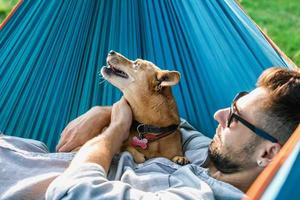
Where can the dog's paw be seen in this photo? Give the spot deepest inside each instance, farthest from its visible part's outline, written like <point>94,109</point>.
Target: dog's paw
<point>139,159</point>
<point>181,160</point>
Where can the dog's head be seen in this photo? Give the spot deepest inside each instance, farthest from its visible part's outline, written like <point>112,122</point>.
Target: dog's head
<point>137,78</point>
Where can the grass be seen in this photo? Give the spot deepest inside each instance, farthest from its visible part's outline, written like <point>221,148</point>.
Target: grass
<point>280,19</point>
<point>5,8</point>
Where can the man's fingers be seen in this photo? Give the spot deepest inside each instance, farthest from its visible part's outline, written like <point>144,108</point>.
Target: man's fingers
<point>66,148</point>
<point>69,146</point>
<point>60,144</point>
<point>61,141</point>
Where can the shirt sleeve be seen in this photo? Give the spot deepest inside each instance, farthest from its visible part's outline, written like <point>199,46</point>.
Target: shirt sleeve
<point>191,138</point>
<point>194,143</point>
<point>89,181</point>
<point>24,144</point>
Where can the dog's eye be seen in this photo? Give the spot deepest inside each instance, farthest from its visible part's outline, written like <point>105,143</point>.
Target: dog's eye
<point>136,65</point>
<point>164,78</point>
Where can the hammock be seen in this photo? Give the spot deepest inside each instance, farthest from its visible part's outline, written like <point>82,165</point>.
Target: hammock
<point>51,53</point>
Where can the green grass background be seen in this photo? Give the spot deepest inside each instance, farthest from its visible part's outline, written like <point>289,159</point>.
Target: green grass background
<point>280,19</point>
<point>5,7</point>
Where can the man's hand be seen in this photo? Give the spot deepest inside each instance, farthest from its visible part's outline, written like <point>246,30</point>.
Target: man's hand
<point>84,128</point>
<point>102,148</point>
<point>121,117</point>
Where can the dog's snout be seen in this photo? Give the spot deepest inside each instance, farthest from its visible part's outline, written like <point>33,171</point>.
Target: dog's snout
<point>111,52</point>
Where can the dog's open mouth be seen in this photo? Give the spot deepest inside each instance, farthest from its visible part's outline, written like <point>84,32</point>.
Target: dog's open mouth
<point>111,69</point>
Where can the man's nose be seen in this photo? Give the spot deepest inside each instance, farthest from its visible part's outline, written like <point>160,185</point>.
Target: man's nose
<point>111,52</point>
<point>221,116</point>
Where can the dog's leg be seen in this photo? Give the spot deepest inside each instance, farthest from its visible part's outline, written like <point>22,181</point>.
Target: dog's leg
<point>173,150</point>
<point>137,156</point>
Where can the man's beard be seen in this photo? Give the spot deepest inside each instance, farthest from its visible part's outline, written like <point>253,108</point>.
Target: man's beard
<point>226,161</point>
<point>222,162</point>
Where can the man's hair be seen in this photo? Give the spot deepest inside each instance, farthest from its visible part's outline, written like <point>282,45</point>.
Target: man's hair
<point>282,106</point>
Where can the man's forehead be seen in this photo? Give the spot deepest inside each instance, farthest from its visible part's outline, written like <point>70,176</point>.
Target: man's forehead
<point>250,100</point>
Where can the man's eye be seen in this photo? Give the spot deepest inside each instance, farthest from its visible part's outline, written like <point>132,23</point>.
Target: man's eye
<point>234,120</point>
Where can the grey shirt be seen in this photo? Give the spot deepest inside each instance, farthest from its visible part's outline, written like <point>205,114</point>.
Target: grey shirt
<point>27,169</point>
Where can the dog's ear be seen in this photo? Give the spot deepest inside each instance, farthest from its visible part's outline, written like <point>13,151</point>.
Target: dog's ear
<point>168,78</point>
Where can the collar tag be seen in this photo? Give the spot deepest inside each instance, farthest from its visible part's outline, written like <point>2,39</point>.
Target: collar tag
<point>139,142</point>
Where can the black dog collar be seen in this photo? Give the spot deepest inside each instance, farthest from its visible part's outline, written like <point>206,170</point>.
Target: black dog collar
<point>152,133</point>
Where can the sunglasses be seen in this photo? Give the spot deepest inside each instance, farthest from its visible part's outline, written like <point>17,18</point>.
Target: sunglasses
<point>232,116</point>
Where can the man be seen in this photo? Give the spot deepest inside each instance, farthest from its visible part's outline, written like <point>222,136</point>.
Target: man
<point>250,133</point>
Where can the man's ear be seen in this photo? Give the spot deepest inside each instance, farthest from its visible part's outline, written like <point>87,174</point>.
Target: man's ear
<point>267,154</point>
<point>168,78</point>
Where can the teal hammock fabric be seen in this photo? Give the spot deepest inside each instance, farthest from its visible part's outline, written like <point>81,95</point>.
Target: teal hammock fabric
<point>51,53</point>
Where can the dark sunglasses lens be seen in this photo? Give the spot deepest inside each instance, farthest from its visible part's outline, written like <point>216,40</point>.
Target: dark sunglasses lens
<point>229,119</point>
<point>230,116</point>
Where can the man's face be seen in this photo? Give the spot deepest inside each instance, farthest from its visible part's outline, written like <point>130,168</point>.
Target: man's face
<point>234,148</point>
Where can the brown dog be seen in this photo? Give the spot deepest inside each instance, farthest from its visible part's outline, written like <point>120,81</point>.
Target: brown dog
<point>147,89</point>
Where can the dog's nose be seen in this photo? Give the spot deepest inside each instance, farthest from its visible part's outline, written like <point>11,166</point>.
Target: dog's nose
<point>112,52</point>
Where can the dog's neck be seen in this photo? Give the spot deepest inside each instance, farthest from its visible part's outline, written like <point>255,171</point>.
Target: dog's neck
<point>157,110</point>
